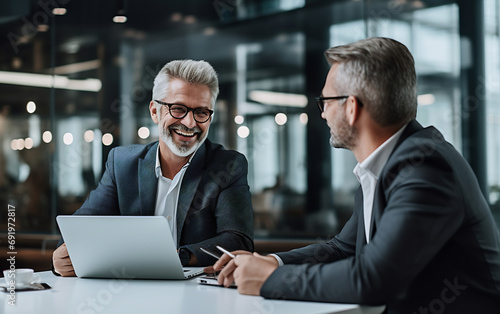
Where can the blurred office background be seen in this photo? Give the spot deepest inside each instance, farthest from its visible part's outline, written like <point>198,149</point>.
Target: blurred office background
<point>76,79</point>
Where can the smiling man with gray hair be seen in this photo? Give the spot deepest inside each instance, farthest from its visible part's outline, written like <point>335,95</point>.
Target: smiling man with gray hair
<point>200,187</point>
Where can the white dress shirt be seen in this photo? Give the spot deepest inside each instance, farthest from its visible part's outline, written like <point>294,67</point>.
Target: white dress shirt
<point>167,194</point>
<point>367,173</point>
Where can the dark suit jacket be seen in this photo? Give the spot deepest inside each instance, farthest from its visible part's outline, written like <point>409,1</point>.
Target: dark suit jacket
<point>434,247</point>
<point>214,206</point>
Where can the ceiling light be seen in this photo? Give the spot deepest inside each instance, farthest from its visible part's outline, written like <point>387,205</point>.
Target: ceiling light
<point>89,136</point>
<point>77,67</point>
<point>121,8</point>
<point>278,99</point>
<point>426,99</point>
<point>59,11</point>
<point>47,136</point>
<point>30,107</point>
<point>28,143</point>
<point>303,118</point>
<point>243,131</point>
<point>176,17</point>
<point>107,139</point>
<point>68,138</point>
<point>280,118</point>
<point>239,119</point>
<point>190,19</point>
<point>119,18</point>
<point>143,132</point>
<point>42,27</point>
<point>49,81</point>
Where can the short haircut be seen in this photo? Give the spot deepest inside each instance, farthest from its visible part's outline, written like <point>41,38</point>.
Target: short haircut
<point>191,71</point>
<point>380,72</point>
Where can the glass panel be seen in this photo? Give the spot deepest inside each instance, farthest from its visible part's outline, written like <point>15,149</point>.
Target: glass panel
<point>437,73</point>
<point>230,10</point>
<point>492,80</point>
<point>270,99</point>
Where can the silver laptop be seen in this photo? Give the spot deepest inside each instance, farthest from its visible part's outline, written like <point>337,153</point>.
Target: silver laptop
<point>139,247</point>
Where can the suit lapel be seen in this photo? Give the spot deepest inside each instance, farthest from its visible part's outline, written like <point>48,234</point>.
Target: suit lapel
<point>148,183</point>
<point>358,207</point>
<point>189,187</point>
<point>379,202</point>
<point>412,127</point>
<point>375,216</point>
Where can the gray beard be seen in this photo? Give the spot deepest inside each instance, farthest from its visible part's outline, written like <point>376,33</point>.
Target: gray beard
<point>345,137</point>
<point>180,150</point>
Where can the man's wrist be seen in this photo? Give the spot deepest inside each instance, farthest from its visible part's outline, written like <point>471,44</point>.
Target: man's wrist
<point>278,259</point>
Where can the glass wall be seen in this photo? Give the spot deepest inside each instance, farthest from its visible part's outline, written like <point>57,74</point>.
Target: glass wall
<point>75,85</point>
<point>492,90</point>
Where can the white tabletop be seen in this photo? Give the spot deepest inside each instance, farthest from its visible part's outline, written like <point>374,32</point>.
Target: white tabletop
<point>89,296</point>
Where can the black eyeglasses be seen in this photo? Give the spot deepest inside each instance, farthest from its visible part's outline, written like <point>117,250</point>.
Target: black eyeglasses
<point>321,101</point>
<point>178,111</point>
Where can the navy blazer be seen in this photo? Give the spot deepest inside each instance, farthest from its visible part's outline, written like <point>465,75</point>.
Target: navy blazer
<point>434,247</point>
<point>214,206</point>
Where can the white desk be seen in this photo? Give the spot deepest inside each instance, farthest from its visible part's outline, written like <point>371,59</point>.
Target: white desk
<point>89,296</point>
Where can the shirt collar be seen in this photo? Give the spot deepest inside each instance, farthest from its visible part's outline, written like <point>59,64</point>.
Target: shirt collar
<point>158,165</point>
<point>378,158</point>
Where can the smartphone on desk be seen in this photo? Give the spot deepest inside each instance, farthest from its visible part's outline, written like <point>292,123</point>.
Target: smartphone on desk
<point>211,280</point>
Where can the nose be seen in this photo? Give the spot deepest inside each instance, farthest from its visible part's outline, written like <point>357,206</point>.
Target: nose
<point>323,115</point>
<point>189,121</point>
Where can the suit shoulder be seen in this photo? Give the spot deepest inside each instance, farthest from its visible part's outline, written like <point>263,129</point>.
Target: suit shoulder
<point>426,142</point>
<point>219,153</point>
<point>133,151</point>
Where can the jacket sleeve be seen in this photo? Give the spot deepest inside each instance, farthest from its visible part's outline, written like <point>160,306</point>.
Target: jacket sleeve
<point>232,212</point>
<point>341,246</point>
<point>423,211</point>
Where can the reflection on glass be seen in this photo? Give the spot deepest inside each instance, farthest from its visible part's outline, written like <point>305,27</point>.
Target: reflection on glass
<point>239,119</point>
<point>88,136</point>
<point>243,131</point>
<point>492,81</point>
<point>280,118</point>
<point>143,132</point>
<point>31,107</point>
<point>68,138</point>
<point>47,136</point>
<point>107,139</point>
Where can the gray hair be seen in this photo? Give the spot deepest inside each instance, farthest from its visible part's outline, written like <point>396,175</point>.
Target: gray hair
<point>195,72</point>
<point>380,72</point>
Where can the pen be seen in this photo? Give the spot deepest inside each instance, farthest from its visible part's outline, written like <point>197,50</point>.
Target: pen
<point>223,250</point>
<point>210,253</point>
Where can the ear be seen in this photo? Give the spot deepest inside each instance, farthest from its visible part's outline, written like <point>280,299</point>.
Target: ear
<point>353,110</point>
<point>155,115</point>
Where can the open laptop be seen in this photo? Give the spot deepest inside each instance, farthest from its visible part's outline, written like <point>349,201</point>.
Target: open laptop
<point>139,247</point>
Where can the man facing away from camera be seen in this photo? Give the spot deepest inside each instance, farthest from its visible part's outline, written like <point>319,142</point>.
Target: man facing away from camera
<point>200,187</point>
<point>421,238</point>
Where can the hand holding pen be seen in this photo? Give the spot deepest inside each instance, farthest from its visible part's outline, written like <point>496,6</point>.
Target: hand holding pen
<point>252,269</point>
<point>225,261</point>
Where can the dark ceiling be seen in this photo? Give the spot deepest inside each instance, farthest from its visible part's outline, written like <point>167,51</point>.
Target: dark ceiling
<point>166,29</point>
<point>34,37</point>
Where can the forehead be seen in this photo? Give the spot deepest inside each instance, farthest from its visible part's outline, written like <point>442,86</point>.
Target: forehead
<point>189,94</point>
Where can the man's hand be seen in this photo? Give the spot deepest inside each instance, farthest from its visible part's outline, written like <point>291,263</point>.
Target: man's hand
<point>62,262</point>
<point>223,260</point>
<point>252,271</point>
